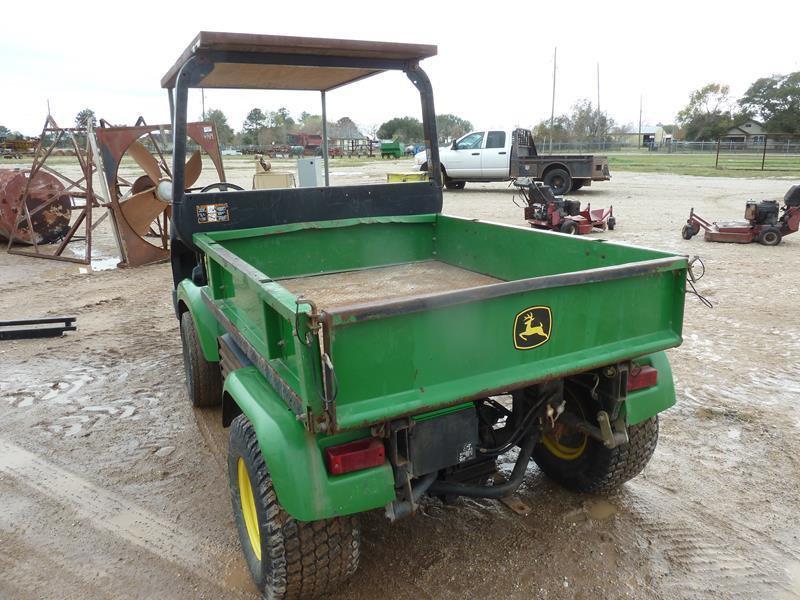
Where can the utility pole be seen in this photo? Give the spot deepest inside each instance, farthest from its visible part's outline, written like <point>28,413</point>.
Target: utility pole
<point>598,88</point>
<point>639,142</point>
<point>553,103</point>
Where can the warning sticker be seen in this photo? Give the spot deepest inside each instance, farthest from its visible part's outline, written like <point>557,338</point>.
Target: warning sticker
<point>213,213</point>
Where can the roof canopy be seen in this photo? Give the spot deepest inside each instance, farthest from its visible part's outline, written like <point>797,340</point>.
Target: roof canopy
<point>251,61</point>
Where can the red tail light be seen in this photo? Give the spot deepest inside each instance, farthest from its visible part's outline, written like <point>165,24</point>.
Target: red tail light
<point>642,377</point>
<point>355,456</point>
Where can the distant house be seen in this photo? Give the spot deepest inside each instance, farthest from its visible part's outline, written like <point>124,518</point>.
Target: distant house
<point>650,136</point>
<point>749,133</point>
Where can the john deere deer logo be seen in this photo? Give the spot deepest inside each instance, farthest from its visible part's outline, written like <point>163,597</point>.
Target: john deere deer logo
<point>532,327</point>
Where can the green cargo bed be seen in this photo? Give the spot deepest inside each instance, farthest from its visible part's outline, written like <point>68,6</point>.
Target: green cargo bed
<point>361,321</point>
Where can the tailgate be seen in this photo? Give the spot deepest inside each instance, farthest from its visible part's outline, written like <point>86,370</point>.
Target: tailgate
<point>397,358</point>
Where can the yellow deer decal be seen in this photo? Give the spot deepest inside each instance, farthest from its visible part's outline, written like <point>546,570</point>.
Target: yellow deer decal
<point>531,329</point>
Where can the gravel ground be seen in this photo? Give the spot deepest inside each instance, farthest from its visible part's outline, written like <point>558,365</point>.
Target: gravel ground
<point>111,486</point>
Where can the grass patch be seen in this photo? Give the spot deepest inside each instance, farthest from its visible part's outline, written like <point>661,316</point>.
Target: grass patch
<point>740,165</point>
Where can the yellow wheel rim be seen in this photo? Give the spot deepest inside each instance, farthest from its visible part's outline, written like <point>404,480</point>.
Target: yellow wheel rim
<point>249,514</point>
<point>554,444</point>
<point>563,451</point>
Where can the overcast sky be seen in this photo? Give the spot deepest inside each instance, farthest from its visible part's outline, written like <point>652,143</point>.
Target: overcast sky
<point>494,65</point>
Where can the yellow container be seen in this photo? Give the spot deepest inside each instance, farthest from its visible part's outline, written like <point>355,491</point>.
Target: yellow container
<point>406,177</point>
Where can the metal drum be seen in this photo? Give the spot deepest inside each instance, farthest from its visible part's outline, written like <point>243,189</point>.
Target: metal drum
<point>50,223</point>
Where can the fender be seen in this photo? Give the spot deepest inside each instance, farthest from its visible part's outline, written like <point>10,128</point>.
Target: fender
<point>208,329</point>
<point>294,459</point>
<point>646,403</point>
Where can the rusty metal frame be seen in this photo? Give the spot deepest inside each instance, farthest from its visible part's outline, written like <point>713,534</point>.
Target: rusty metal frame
<point>83,185</point>
<point>112,143</point>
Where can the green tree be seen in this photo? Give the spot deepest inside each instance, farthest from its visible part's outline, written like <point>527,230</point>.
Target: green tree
<point>220,121</point>
<point>281,117</point>
<point>255,121</point>
<point>776,100</point>
<point>406,129</point>
<point>4,131</point>
<point>586,122</point>
<point>310,123</point>
<point>84,117</point>
<point>708,114</point>
<point>583,123</point>
<point>450,127</point>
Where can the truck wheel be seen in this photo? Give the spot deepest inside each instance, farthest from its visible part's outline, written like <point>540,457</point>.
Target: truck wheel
<point>559,181</point>
<point>569,227</point>
<point>582,464</point>
<point>769,236</point>
<point>455,185</point>
<point>287,558</point>
<point>203,378</point>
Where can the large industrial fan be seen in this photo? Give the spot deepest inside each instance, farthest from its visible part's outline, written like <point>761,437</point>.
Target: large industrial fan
<point>140,205</point>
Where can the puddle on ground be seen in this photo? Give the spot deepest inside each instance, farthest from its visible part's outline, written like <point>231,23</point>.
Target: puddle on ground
<point>601,509</point>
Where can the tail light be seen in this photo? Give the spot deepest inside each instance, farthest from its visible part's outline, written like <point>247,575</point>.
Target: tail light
<point>642,377</point>
<point>355,456</point>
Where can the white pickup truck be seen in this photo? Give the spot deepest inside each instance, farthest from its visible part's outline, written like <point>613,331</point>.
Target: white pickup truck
<point>496,155</point>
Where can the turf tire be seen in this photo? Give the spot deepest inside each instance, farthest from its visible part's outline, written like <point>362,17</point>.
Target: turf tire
<point>600,469</point>
<point>298,559</point>
<point>203,377</point>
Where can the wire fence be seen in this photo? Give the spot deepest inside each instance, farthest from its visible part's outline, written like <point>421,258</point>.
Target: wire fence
<point>765,152</point>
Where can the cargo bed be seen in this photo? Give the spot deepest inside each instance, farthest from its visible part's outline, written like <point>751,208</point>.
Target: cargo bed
<point>360,321</point>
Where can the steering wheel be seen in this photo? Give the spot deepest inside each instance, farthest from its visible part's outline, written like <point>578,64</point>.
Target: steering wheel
<point>222,186</point>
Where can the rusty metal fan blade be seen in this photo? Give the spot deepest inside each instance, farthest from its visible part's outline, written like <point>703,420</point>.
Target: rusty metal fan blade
<point>194,166</point>
<point>141,209</point>
<point>145,160</point>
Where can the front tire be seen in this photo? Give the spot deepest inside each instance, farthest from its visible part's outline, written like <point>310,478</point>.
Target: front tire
<point>569,227</point>
<point>203,377</point>
<point>687,232</point>
<point>454,185</point>
<point>770,236</point>
<point>583,464</point>
<point>287,558</point>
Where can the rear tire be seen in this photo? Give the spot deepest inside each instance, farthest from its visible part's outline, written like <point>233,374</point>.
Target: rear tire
<point>559,181</point>
<point>203,377</point>
<point>769,236</point>
<point>569,227</point>
<point>611,223</point>
<point>287,558</point>
<point>582,464</point>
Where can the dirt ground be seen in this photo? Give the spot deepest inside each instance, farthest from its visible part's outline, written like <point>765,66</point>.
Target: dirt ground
<point>110,485</point>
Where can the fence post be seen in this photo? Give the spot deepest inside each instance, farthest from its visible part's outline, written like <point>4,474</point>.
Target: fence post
<point>764,154</point>
<point>716,162</point>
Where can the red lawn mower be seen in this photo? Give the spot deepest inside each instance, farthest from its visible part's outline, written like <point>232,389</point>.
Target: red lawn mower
<point>762,223</point>
<point>544,210</point>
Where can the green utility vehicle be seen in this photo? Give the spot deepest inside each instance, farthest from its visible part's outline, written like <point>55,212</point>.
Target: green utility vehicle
<point>391,149</point>
<point>367,350</point>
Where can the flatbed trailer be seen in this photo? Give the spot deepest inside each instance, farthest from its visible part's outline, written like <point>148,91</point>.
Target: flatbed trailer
<point>367,350</point>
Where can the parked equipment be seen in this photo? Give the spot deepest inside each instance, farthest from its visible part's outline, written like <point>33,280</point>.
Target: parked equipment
<point>762,222</point>
<point>366,350</point>
<point>392,149</point>
<point>544,210</point>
